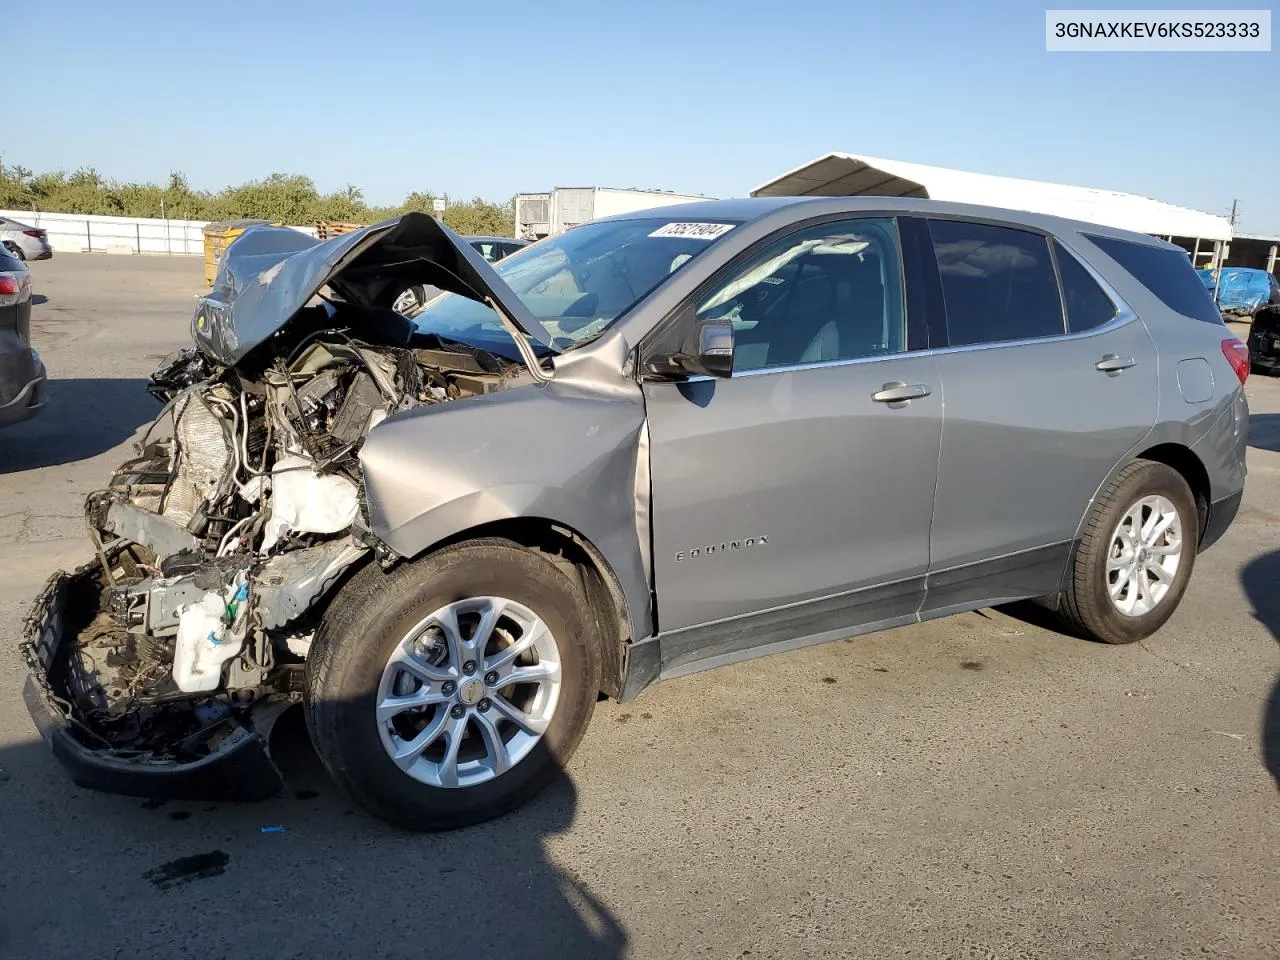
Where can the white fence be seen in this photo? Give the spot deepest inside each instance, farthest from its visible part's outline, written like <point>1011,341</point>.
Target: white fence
<point>78,233</point>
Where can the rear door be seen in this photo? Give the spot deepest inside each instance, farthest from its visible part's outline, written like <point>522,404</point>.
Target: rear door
<point>799,486</point>
<point>1048,381</point>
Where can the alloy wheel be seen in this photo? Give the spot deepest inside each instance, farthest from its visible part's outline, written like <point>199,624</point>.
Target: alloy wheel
<point>1143,556</point>
<point>468,692</point>
<point>408,302</point>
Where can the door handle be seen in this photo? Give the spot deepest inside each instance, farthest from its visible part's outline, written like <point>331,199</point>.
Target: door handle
<point>1112,364</point>
<point>895,391</point>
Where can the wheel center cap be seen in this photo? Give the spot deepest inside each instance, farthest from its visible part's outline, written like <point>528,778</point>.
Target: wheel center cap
<point>471,690</point>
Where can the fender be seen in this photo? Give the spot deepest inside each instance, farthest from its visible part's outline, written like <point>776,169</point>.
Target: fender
<point>562,452</point>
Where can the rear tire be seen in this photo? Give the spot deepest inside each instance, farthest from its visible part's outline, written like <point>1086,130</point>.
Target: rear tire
<point>15,251</point>
<point>363,640</point>
<point>1112,570</point>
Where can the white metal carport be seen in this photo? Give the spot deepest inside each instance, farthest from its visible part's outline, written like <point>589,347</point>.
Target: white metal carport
<point>847,174</point>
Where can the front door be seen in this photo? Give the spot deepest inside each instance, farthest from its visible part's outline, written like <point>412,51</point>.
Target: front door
<point>800,488</point>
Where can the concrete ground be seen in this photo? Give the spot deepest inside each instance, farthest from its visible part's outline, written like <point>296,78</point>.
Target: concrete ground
<point>976,787</point>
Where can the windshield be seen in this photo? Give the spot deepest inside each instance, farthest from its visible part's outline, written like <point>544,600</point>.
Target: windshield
<point>576,283</point>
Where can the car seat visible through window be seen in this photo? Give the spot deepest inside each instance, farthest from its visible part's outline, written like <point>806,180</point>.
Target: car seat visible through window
<point>833,311</point>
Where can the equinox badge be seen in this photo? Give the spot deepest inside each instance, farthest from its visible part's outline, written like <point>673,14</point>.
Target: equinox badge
<point>714,548</point>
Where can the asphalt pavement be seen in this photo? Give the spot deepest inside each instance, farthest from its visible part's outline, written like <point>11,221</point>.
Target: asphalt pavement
<point>975,787</point>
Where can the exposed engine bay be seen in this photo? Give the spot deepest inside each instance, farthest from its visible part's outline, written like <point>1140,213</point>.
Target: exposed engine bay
<point>240,512</point>
<point>217,543</point>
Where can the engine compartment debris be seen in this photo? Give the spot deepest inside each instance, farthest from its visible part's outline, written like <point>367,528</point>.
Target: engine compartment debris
<point>219,541</point>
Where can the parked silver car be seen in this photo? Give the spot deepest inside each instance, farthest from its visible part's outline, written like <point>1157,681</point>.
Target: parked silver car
<point>22,375</point>
<point>657,443</point>
<point>24,241</point>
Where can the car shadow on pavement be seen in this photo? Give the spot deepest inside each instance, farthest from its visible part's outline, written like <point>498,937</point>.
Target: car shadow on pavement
<point>1261,582</point>
<point>1036,615</point>
<point>1264,431</point>
<point>38,298</point>
<point>305,874</point>
<point>81,418</point>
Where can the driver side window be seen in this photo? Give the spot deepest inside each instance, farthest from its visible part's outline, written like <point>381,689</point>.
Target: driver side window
<point>828,292</point>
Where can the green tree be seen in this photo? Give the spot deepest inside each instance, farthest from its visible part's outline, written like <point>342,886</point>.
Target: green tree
<point>15,188</point>
<point>480,216</point>
<point>281,197</point>
<point>420,201</point>
<point>345,206</point>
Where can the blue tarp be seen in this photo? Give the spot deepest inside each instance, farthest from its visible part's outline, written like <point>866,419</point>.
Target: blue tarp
<point>1242,289</point>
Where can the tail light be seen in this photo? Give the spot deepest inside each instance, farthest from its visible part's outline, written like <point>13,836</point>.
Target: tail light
<point>38,234</point>
<point>14,288</point>
<point>1237,354</point>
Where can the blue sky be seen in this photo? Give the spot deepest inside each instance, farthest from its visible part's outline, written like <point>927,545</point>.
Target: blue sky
<point>492,97</point>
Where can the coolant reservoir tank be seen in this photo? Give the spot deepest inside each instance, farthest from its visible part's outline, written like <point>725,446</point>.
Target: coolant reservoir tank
<point>206,640</point>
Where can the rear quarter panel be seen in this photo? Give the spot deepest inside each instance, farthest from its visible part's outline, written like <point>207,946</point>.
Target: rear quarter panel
<point>1214,425</point>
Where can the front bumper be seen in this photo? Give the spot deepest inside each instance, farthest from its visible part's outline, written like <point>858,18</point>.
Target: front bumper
<point>29,400</point>
<point>240,768</point>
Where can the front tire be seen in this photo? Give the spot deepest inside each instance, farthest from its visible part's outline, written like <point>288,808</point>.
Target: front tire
<point>452,689</point>
<point>1132,564</point>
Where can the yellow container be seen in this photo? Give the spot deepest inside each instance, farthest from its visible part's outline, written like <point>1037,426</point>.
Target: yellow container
<point>218,236</point>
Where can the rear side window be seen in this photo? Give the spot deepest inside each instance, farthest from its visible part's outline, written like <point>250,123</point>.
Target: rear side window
<point>1166,273</point>
<point>1088,306</point>
<point>998,283</point>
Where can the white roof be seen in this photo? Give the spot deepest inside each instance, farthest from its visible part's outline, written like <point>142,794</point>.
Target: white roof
<point>847,174</point>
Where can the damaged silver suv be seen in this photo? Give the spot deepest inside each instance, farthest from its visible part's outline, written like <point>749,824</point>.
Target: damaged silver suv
<point>654,444</point>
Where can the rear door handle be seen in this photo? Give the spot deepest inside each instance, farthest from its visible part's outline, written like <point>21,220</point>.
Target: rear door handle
<point>1111,363</point>
<point>895,391</point>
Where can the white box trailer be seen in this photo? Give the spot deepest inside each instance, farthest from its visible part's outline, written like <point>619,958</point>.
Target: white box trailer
<point>532,216</point>
<point>540,215</point>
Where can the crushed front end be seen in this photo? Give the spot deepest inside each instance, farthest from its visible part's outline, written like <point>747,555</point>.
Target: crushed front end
<point>158,668</point>
<point>138,743</point>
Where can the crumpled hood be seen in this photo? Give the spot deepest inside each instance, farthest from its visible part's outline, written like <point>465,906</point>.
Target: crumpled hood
<point>268,274</point>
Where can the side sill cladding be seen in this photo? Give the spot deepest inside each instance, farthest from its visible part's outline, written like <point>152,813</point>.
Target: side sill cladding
<point>1020,576</point>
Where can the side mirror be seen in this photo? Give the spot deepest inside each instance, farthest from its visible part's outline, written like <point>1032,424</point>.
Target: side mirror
<point>711,352</point>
